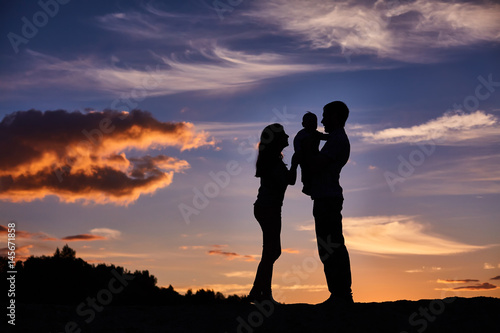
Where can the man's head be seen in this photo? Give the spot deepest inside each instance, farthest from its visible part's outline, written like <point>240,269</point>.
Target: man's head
<point>335,115</point>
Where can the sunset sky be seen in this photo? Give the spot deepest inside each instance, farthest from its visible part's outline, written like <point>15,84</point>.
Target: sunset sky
<point>128,132</point>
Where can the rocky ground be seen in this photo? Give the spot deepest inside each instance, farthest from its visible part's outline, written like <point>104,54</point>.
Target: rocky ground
<point>480,314</point>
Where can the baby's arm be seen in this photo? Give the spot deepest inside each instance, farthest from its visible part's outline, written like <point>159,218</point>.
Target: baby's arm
<point>322,136</point>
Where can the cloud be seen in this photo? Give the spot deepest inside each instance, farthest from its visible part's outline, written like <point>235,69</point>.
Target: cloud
<point>478,175</point>
<point>22,252</point>
<point>490,266</point>
<point>240,274</point>
<point>209,68</point>
<point>81,156</point>
<point>482,286</point>
<point>106,232</point>
<point>83,237</point>
<point>28,235</point>
<point>457,281</point>
<point>229,255</point>
<point>402,30</point>
<point>450,129</point>
<point>423,269</point>
<point>398,235</point>
<point>496,278</point>
<point>192,247</point>
<point>306,287</point>
<point>293,251</point>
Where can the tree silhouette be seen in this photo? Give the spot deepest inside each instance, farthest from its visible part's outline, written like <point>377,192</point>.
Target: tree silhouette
<point>65,279</point>
<point>68,252</point>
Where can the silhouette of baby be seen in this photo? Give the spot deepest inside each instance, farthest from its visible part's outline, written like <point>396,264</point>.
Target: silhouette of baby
<point>306,145</point>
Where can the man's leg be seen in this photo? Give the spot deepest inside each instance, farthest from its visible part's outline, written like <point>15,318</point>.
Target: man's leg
<point>331,247</point>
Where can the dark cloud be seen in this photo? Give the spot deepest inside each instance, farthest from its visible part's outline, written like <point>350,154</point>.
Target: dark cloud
<point>84,237</point>
<point>496,278</point>
<point>458,281</point>
<point>81,156</point>
<point>482,286</point>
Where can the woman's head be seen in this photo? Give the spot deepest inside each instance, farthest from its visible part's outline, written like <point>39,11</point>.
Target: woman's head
<point>272,141</point>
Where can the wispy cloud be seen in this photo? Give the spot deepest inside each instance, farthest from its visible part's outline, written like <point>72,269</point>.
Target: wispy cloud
<point>306,287</point>
<point>398,235</point>
<point>83,237</point>
<point>402,30</point>
<point>240,274</point>
<point>479,287</point>
<point>488,265</point>
<point>211,68</point>
<point>22,234</point>
<point>424,269</point>
<point>478,175</point>
<point>457,281</point>
<point>22,252</point>
<point>217,251</point>
<point>449,129</point>
<point>106,232</point>
<point>292,251</point>
<point>85,159</point>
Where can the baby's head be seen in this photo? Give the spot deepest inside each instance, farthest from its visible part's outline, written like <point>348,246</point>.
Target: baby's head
<point>310,121</point>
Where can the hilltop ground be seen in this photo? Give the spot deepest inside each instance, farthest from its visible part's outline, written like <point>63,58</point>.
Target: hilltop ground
<point>478,314</point>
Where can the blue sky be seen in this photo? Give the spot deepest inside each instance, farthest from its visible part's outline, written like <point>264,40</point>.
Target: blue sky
<point>422,81</point>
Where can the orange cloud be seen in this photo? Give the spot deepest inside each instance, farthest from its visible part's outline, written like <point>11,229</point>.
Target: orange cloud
<point>22,252</point>
<point>229,255</point>
<point>29,235</point>
<point>81,156</point>
<point>83,237</point>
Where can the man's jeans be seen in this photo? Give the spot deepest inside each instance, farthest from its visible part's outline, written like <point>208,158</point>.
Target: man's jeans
<point>332,251</point>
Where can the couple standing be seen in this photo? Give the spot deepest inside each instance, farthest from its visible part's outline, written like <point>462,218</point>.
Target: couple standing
<point>320,176</point>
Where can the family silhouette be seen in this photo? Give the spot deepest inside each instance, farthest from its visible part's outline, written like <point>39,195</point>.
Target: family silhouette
<point>320,171</point>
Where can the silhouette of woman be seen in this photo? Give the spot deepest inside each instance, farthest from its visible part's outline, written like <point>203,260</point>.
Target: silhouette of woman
<point>274,179</point>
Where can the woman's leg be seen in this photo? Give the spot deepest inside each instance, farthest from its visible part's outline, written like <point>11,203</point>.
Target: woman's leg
<point>269,219</point>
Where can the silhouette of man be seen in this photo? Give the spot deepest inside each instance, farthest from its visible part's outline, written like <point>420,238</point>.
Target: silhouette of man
<point>326,193</point>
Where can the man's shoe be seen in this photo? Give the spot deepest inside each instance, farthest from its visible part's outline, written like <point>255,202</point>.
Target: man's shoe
<point>258,297</point>
<point>338,302</point>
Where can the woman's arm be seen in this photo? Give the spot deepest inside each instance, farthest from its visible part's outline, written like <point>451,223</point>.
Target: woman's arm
<point>292,173</point>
